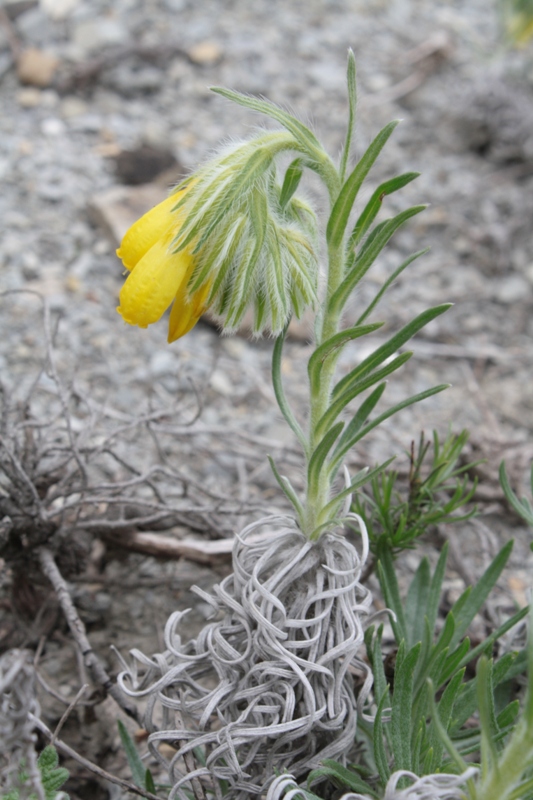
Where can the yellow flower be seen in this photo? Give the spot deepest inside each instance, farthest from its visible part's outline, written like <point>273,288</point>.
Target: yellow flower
<point>159,277</point>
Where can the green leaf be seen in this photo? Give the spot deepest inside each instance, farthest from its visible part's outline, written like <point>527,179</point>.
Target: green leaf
<point>388,283</point>
<point>380,756</point>
<point>522,507</point>
<point>487,718</point>
<point>444,710</point>
<point>149,784</point>
<point>433,603</point>
<point>362,477</point>
<point>479,593</point>
<point>52,776</point>
<point>391,592</point>
<point>360,386</point>
<point>416,602</point>
<point>291,181</point>
<point>340,451</point>
<point>374,204</point>
<point>359,419</point>
<point>138,770</point>
<point>389,347</point>
<point>402,704</point>
<point>334,345</point>
<point>377,661</point>
<point>341,211</point>
<point>368,254</point>
<point>287,488</point>
<point>318,457</point>
<point>344,777</point>
<point>301,133</point>
<point>277,384</point>
<point>486,644</point>
<point>352,105</point>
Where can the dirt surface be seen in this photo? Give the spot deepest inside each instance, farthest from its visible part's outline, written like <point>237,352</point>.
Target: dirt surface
<point>129,74</point>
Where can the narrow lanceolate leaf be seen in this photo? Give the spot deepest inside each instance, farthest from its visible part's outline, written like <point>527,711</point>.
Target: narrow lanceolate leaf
<point>479,593</point>
<point>279,391</point>
<point>522,507</point>
<point>340,451</point>
<point>360,386</point>
<point>287,488</point>
<point>343,776</point>
<point>357,421</point>
<point>138,770</point>
<point>368,254</point>
<point>433,603</point>
<point>291,181</point>
<point>360,479</point>
<point>371,306</point>
<point>388,348</point>
<point>382,762</point>
<point>318,458</point>
<point>334,345</point>
<point>343,206</point>
<point>416,601</point>
<point>373,206</point>
<point>352,105</point>
<point>300,132</point>
<point>391,592</point>
<point>402,705</point>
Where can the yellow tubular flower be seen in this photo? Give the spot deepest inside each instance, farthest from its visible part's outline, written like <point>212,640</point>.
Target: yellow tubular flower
<point>157,275</point>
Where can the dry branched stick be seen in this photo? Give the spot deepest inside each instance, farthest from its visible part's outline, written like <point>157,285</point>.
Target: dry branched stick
<point>17,705</point>
<point>77,628</point>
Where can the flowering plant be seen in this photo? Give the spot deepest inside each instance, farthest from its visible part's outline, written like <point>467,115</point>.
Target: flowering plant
<point>265,695</point>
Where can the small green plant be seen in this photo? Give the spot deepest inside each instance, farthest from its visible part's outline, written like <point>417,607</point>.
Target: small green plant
<point>395,518</point>
<point>426,689</point>
<point>523,507</point>
<point>52,778</point>
<point>264,695</point>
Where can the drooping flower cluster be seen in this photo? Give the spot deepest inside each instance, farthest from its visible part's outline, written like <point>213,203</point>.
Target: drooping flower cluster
<point>229,238</point>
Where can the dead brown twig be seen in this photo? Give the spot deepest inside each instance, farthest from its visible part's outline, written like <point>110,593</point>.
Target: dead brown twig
<point>77,628</point>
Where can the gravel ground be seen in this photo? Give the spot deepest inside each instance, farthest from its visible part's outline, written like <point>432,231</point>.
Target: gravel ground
<point>133,73</point>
